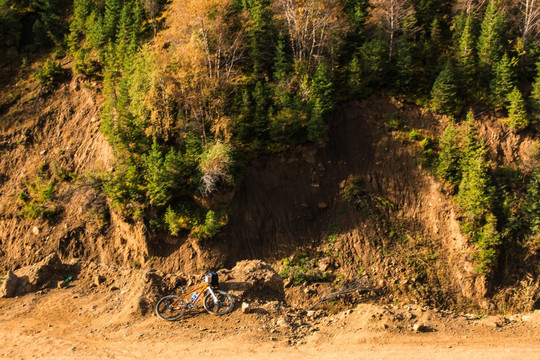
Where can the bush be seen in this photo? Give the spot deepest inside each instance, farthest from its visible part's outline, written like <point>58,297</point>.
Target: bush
<point>35,199</point>
<point>394,122</point>
<point>355,195</point>
<point>49,74</point>
<point>302,269</point>
<point>215,165</point>
<point>178,219</point>
<point>213,224</point>
<point>415,135</point>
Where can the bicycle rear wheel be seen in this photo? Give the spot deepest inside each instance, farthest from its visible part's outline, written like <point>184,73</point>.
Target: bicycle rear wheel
<point>170,308</point>
<point>223,305</point>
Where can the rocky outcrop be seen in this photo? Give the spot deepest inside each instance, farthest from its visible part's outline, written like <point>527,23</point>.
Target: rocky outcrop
<point>43,274</point>
<point>252,279</point>
<point>9,287</point>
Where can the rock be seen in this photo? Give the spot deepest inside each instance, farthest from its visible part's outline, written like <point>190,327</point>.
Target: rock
<point>9,286</point>
<point>253,279</point>
<point>420,327</point>
<point>42,274</point>
<point>282,322</point>
<point>326,264</point>
<point>245,308</point>
<point>99,279</point>
<point>322,205</point>
<point>35,230</point>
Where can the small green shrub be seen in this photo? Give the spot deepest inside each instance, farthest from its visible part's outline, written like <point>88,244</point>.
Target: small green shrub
<point>355,195</point>
<point>416,135</point>
<point>394,122</point>
<point>178,218</point>
<point>49,74</point>
<point>213,224</point>
<point>303,269</point>
<point>35,199</point>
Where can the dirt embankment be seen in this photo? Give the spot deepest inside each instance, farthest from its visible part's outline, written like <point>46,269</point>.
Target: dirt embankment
<point>406,237</point>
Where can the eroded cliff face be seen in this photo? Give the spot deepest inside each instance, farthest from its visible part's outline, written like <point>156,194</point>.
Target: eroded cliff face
<point>405,236</point>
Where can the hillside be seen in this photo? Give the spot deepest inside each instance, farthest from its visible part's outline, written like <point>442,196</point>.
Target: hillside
<point>183,137</point>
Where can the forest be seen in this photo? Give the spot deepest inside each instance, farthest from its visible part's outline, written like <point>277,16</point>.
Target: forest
<point>187,106</point>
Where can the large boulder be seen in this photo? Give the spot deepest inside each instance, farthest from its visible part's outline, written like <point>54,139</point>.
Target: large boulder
<point>9,287</point>
<point>43,274</point>
<point>252,280</point>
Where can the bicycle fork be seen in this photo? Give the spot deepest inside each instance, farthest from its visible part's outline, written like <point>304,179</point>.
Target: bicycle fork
<point>216,301</point>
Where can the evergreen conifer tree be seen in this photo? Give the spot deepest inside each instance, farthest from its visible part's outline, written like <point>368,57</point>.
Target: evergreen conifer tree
<point>282,67</point>
<point>355,79</point>
<point>532,203</point>
<point>534,98</point>
<point>156,176</point>
<point>466,54</point>
<point>260,36</point>
<point>492,37</point>
<point>475,193</point>
<point>517,115</point>
<point>471,143</point>
<point>260,100</point>
<point>444,93</point>
<point>503,82</point>
<point>322,89</point>
<point>113,8</point>
<point>449,166</point>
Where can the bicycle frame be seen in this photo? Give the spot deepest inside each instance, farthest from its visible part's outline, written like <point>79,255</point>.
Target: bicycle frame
<point>192,296</point>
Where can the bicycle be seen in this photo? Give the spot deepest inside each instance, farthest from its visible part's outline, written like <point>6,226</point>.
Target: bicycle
<point>216,302</point>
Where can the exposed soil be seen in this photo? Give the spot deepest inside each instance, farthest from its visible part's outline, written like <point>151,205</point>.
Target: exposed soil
<point>89,322</point>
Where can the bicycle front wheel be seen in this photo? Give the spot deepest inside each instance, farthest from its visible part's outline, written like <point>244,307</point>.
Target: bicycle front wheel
<point>222,306</point>
<point>170,308</point>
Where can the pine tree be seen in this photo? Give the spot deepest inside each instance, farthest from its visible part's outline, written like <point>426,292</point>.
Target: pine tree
<point>517,115</point>
<point>444,92</point>
<point>260,36</point>
<point>475,193</point>
<point>405,68</point>
<point>260,100</point>
<point>315,127</point>
<point>94,31</point>
<point>282,66</point>
<point>503,82</point>
<point>471,144</point>
<point>449,167</point>
<point>492,37</point>
<point>355,79</point>
<point>488,243</point>
<point>465,52</point>
<point>534,98</point>
<point>532,203</point>
<point>322,89</point>
<point>113,9</point>
<point>156,176</point>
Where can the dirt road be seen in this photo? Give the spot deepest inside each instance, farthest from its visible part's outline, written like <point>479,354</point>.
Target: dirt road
<point>69,323</point>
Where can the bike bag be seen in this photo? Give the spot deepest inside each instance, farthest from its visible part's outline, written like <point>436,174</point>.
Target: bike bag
<point>211,278</point>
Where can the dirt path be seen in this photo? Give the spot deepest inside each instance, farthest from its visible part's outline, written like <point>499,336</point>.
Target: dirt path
<point>68,323</point>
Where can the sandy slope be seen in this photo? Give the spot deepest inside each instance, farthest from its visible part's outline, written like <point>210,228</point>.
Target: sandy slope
<point>79,323</point>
